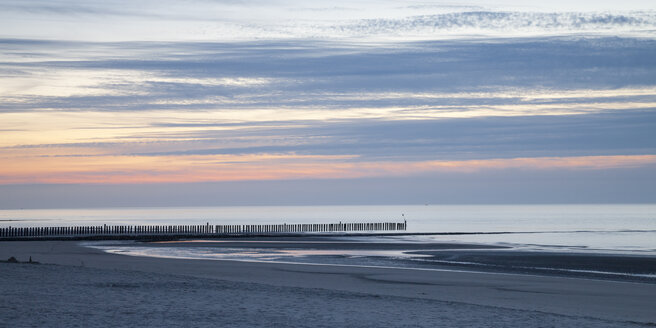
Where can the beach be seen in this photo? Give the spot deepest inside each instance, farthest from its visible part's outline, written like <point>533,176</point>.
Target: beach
<point>80,286</point>
<point>327,163</point>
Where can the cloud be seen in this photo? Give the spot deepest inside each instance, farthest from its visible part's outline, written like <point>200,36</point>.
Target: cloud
<point>627,133</point>
<point>306,150</point>
<point>415,79</point>
<point>114,112</point>
<point>497,22</point>
<point>165,20</point>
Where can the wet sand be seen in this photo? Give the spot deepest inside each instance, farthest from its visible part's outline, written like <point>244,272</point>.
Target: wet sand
<point>318,243</point>
<point>85,284</point>
<point>619,267</point>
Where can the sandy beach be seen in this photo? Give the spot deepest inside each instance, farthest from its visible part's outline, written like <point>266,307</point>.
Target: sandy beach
<point>81,286</point>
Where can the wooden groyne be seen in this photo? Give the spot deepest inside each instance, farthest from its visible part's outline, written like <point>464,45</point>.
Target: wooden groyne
<point>181,231</point>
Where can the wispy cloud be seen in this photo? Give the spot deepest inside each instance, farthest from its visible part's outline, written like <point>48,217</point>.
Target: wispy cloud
<point>371,20</point>
<point>533,76</point>
<point>502,23</point>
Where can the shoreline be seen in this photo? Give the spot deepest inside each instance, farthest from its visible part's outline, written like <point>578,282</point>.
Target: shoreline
<point>583,299</point>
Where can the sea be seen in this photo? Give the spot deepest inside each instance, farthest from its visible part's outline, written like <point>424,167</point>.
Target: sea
<point>596,228</point>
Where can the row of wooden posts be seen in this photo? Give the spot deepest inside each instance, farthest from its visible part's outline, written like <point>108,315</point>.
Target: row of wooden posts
<point>144,230</point>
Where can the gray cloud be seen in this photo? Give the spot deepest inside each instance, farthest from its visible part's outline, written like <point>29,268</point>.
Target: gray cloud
<point>624,133</point>
<point>331,75</point>
<point>619,133</point>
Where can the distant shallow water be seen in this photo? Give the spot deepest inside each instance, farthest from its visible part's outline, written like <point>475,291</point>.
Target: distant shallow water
<point>626,229</point>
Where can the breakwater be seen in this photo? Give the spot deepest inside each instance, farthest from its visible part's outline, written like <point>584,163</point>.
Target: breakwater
<point>181,231</point>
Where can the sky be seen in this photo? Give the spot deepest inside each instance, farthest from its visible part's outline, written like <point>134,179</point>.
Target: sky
<point>210,102</point>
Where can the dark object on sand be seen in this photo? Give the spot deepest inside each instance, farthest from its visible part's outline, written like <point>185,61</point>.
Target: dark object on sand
<point>14,260</point>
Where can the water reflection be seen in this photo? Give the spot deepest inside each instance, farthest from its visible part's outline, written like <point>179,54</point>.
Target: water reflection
<point>254,254</point>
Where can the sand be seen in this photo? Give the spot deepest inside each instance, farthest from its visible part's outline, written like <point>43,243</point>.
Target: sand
<point>79,286</point>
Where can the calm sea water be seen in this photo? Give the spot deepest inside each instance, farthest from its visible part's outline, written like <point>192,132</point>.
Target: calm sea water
<point>598,228</point>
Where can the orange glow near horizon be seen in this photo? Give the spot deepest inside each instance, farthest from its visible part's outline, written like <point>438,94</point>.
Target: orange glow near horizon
<point>214,168</point>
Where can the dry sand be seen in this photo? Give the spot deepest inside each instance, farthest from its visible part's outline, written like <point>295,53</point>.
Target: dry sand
<point>87,287</point>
